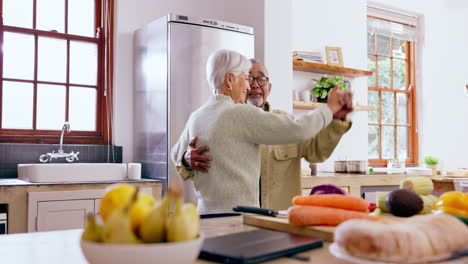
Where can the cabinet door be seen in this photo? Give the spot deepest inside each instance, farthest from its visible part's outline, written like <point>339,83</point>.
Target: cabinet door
<point>61,215</point>
<point>97,204</point>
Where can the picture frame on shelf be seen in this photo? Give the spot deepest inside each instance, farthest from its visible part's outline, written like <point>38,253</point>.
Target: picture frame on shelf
<point>334,56</point>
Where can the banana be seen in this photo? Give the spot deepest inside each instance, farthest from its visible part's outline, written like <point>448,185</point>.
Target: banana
<point>380,201</point>
<point>153,227</point>
<point>190,211</point>
<point>117,228</point>
<point>140,210</point>
<point>93,231</point>
<point>184,223</point>
<point>419,185</point>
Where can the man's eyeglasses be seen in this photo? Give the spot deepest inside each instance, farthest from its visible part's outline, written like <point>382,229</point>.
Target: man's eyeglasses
<point>262,81</point>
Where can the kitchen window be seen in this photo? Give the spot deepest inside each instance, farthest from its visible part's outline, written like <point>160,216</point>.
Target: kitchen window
<point>392,128</point>
<point>56,67</point>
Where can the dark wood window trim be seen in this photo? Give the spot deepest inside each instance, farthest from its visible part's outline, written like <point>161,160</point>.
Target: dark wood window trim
<point>413,148</point>
<point>104,17</point>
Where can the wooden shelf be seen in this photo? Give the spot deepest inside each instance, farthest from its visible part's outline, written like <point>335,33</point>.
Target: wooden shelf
<point>313,105</point>
<point>299,65</point>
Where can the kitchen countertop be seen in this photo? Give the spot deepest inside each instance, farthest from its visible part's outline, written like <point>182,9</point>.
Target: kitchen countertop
<point>60,247</point>
<point>356,181</point>
<point>18,182</point>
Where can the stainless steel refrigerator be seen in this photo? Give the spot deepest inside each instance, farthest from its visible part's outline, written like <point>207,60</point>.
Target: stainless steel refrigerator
<point>170,57</point>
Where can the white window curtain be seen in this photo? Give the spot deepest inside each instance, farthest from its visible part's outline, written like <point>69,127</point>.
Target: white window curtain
<point>404,27</point>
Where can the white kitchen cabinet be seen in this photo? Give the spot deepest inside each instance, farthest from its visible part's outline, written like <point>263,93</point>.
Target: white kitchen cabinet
<point>62,215</point>
<point>62,210</point>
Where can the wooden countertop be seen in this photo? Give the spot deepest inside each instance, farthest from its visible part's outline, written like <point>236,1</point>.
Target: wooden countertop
<point>60,247</point>
<point>324,175</point>
<point>355,181</point>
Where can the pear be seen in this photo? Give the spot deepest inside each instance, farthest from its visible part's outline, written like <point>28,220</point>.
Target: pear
<point>184,223</point>
<point>93,231</point>
<point>117,228</point>
<point>153,227</point>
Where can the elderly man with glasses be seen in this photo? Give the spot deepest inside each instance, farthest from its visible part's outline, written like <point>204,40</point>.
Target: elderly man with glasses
<point>280,178</point>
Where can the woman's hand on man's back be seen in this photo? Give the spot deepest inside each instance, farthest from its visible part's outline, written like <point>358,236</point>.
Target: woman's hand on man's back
<point>193,157</point>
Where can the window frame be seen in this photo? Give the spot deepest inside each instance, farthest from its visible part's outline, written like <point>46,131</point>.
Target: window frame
<point>104,24</point>
<point>413,146</point>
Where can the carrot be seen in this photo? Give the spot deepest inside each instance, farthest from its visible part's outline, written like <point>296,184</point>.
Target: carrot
<point>316,215</point>
<point>333,200</point>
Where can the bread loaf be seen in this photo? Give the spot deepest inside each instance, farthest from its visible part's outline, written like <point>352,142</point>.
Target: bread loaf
<point>417,238</point>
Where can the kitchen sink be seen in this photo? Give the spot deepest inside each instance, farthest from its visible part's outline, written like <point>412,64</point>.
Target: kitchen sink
<point>76,172</point>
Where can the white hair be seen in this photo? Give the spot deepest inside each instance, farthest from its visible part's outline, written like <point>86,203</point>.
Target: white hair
<point>220,63</point>
<point>257,61</point>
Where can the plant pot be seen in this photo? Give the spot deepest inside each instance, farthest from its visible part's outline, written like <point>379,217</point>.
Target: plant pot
<point>433,168</point>
<point>324,100</point>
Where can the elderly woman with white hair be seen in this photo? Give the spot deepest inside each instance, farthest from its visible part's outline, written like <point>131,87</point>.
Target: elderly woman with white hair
<point>234,131</point>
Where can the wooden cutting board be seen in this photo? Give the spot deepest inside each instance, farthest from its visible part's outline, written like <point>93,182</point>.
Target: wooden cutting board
<point>282,224</point>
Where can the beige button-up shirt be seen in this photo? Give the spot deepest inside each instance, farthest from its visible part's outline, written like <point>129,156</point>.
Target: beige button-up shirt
<point>280,175</point>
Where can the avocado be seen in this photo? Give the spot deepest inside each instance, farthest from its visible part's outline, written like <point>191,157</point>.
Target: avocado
<point>404,203</point>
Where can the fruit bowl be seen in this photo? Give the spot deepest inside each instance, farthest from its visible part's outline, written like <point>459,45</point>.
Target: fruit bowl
<point>174,252</point>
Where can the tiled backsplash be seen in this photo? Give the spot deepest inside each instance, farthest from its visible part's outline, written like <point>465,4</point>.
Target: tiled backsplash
<point>13,154</point>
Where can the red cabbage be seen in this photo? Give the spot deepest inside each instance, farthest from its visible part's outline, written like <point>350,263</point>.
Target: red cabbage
<point>327,189</point>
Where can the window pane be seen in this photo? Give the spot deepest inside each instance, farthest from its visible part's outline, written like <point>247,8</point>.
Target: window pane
<point>51,15</point>
<point>81,17</point>
<point>388,108</point>
<point>83,63</point>
<point>402,142</point>
<point>399,74</point>
<point>52,60</point>
<point>18,56</point>
<point>383,45</point>
<point>50,106</point>
<point>82,114</point>
<point>399,48</point>
<point>384,72</point>
<point>373,136</point>
<point>17,105</point>
<point>402,108</point>
<point>18,13</point>
<point>371,67</point>
<point>373,100</point>
<point>388,142</point>
<point>371,43</point>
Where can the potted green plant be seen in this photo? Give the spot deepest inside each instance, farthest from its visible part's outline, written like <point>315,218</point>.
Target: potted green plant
<point>325,84</point>
<point>431,163</point>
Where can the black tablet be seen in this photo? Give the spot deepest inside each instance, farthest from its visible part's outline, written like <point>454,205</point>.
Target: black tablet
<point>256,246</point>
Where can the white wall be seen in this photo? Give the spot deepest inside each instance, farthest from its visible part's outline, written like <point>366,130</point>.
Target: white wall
<point>131,15</point>
<point>443,107</point>
<point>278,46</point>
<point>283,26</point>
<point>316,24</point>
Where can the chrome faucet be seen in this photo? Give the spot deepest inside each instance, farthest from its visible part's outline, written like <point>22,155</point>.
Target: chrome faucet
<point>70,157</point>
<point>66,127</point>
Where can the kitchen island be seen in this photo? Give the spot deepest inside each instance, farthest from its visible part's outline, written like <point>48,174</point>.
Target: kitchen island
<point>60,247</point>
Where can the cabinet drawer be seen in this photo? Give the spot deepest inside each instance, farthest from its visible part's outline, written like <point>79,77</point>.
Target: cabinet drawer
<point>62,215</point>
